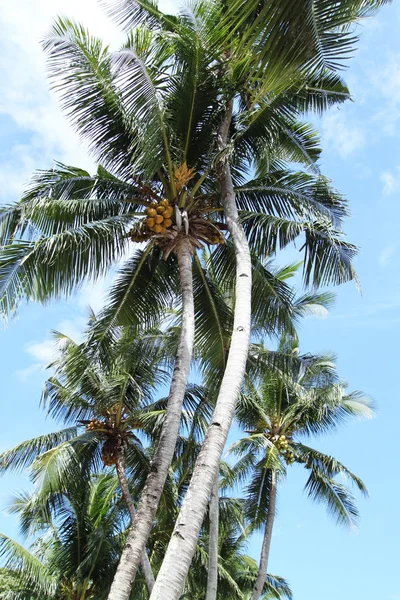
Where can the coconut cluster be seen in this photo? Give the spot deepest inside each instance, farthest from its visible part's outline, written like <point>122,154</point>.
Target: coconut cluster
<point>289,457</point>
<point>95,424</point>
<point>159,216</point>
<point>109,453</point>
<point>281,442</point>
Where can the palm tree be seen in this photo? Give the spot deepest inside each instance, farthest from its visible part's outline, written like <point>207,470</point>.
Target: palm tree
<point>159,117</point>
<point>109,407</point>
<point>327,29</point>
<point>77,533</point>
<point>236,570</point>
<point>308,399</point>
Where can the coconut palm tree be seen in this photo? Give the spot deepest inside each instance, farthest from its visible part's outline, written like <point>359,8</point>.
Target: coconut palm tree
<point>262,79</point>
<point>236,570</point>
<point>77,533</point>
<point>108,406</point>
<point>278,413</point>
<point>159,116</point>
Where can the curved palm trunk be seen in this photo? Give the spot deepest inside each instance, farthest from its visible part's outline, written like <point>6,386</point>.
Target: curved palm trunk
<point>150,497</point>
<point>173,572</point>
<point>263,566</point>
<point>212,577</point>
<point>145,562</point>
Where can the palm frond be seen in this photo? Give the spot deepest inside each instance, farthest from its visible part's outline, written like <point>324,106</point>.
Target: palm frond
<point>80,68</point>
<point>24,454</point>
<point>30,570</point>
<point>338,500</point>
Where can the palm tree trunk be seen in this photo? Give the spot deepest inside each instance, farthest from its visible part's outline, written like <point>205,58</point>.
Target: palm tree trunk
<point>212,577</point>
<point>263,566</point>
<point>179,554</point>
<point>150,497</point>
<point>145,562</point>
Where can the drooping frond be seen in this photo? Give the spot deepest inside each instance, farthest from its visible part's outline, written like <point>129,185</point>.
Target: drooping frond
<point>131,13</point>
<point>24,454</point>
<point>327,255</point>
<point>81,71</point>
<point>28,569</point>
<point>328,466</point>
<point>318,34</point>
<point>339,502</point>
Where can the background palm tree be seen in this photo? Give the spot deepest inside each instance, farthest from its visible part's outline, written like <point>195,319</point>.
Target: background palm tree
<point>107,400</point>
<point>308,399</point>
<point>78,534</point>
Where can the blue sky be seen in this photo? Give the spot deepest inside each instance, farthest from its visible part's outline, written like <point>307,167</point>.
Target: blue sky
<point>362,156</point>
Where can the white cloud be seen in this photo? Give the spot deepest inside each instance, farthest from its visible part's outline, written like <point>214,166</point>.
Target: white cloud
<point>391,181</point>
<point>387,254</point>
<point>44,352</point>
<point>386,79</point>
<point>344,138</point>
<point>26,100</point>
<point>41,351</point>
<point>94,295</point>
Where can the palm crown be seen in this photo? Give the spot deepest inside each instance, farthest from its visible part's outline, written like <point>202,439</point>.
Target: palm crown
<point>150,114</point>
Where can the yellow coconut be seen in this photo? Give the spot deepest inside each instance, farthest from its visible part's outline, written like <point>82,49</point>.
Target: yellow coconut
<point>151,212</point>
<point>159,219</point>
<point>164,202</point>
<point>158,228</point>
<point>167,223</point>
<point>168,212</point>
<point>161,209</point>
<point>150,222</point>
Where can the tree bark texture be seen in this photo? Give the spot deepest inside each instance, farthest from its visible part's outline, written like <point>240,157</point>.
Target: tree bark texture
<point>145,562</point>
<point>179,554</point>
<point>212,576</point>
<point>263,566</point>
<point>150,497</point>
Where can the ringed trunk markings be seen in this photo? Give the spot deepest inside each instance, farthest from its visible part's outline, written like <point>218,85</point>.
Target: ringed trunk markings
<point>179,554</point>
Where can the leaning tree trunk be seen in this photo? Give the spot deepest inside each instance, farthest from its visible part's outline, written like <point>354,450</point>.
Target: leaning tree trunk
<point>212,576</point>
<point>150,497</point>
<point>179,554</point>
<point>263,566</point>
<point>145,562</point>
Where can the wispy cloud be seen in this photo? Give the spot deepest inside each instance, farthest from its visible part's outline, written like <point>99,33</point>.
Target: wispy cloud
<point>44,352</point>
<point>339,134</point>
<point>391,181</point>
<point>386,254</point>
<point>26,103</point>
<point>386,79</point>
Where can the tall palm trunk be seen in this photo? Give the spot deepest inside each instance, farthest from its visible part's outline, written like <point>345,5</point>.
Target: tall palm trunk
<point>212,577</point>
<point>145,562</point>
<point>174,569</point>
<point>263,566</point>
<point>150,497</point>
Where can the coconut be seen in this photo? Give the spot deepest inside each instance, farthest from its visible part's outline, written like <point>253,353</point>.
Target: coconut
<point>168,212</point>
<point>150,222</point>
